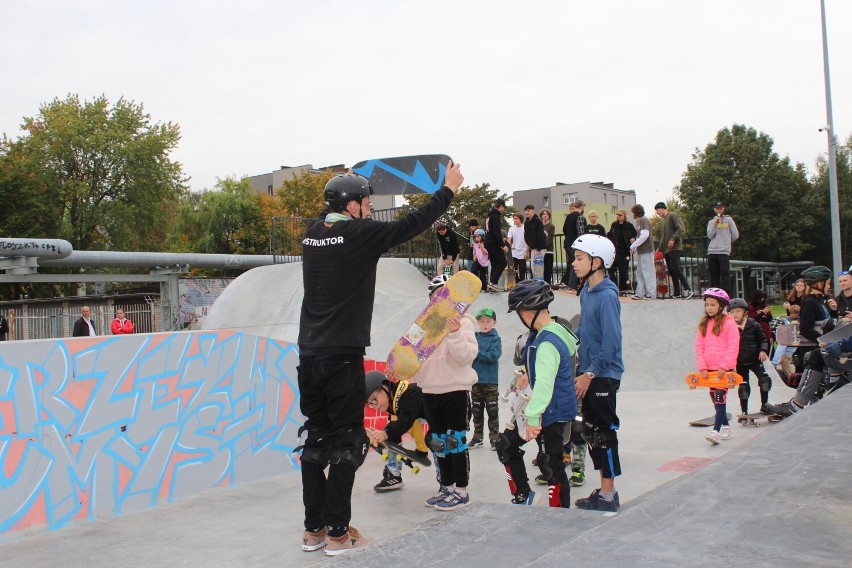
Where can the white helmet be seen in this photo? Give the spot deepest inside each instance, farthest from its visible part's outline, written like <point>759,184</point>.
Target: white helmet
<point>596,246</point>
<point>437,282</point>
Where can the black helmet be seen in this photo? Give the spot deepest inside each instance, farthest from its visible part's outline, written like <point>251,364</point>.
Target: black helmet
<point>737,303</point>
<point>343,188</point>
<point>374,380</point>
<point>816,274</point>
<point>530,295</point>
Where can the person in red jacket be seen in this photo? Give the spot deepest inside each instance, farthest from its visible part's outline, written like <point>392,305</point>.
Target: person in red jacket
<point>121,325</point>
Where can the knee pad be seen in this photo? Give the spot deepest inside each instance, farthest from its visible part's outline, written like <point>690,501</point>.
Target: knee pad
<point>478,410</point>
<point>764,382</point>
<point>813,359</point>
<point>744,390</point>
<point>599,438</point>
<point>491,406</point>
<point>349,447</point>
<point>719,396</point>
<point>315,455</point>
<point>541,460</point>
<point>501,446</point>
<point>456,441</point>
<point>437,443</point>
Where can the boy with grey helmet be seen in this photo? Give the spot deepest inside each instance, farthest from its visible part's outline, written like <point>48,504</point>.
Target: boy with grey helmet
<point>754,350</point>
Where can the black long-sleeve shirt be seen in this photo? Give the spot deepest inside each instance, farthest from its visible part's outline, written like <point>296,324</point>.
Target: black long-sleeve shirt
<point>449,244</point>
<point>406,403</point>
<point>339,275</point>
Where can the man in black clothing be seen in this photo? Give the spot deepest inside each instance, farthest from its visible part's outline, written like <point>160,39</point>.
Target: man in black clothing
<point>449,250</point>
<point>495,244</point>
<point>84,326</point>
<point>339,256</point>
<point>622,233</point>
<point>535,237</point>
<point>573,227</point>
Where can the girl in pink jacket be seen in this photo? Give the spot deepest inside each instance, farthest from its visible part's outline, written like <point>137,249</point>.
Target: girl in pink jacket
<point>717,345</point>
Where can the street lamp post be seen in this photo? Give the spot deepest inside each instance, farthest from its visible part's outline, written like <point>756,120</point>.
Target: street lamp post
<point>834,205</point>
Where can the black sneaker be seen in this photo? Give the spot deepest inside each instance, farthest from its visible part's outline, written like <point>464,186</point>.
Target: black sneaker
<point>390,482</point>
<point>595,502</point>
<point>677,297</point>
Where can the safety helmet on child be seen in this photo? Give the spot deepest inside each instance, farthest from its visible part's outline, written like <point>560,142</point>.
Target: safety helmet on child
<point>737,303</point>
<point>596,246</point>
<point>343,188</point>
<point>717,293</point>
<point>437,282</point>
<point>530,295</point>
<point>480,232</point>
<point>374,380</point>
<point>815,274</point>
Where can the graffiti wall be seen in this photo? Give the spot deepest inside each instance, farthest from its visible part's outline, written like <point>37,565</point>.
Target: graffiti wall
<point>106,425</point>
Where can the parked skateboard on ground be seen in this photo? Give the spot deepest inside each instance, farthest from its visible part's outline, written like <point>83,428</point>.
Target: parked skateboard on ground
<point>404,175</point>
<point>728,380</point>
<point>518,398</point>
<point>511,277</point>
<point>662,274</point>
<point>430,328</point>
<point>753,419</point>
<point>709,421</point>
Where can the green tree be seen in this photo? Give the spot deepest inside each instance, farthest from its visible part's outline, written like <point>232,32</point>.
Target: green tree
<point>818,203</point>
<point>303,195</point>
<point>36,213</point>
<point>108,170</point>
<point>219,220</point>
<point>469,203</point>
<point>762,191</point>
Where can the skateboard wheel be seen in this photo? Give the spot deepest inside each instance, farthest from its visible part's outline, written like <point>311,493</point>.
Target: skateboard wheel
<point>399,457</point>
<point>415,470</point>
<point>385,456</point>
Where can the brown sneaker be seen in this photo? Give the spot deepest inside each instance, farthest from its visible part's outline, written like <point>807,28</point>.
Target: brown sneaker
<point>312,541</point>
<point>345,542</point>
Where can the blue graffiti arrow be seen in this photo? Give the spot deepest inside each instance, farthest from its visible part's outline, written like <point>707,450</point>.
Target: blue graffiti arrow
<point>419,179</point>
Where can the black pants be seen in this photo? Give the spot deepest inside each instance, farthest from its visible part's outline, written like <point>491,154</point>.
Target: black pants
<point>719,267</point>
<point>570,278</point>
<point>762,376</point>
<point>520,267</point>
<point>449,411</point>
<point>332,398</point>
<point>552,440</point>
<point>481,272</point>
<point>619,271</point>
<point>548,266</point>
<point>498,261</point>
<point>600,418</point>
<point>678,278</point>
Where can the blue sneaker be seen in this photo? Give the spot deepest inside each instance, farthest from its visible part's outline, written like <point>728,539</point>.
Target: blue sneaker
<point>442,494</point>
<point>528,498</point>
<point>453,501</point>
<point>595,502</point>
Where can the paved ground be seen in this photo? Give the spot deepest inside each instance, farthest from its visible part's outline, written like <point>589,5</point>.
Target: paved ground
<point>769,497</point>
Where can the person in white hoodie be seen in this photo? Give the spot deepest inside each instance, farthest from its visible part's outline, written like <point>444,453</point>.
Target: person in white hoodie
<point>446,379</point>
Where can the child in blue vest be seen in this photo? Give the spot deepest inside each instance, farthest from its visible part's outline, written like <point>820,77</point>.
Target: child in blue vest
<point>552,406</point>
<point>485,391</point>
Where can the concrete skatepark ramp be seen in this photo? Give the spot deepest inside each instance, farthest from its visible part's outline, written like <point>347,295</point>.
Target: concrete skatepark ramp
<point>772,496</point>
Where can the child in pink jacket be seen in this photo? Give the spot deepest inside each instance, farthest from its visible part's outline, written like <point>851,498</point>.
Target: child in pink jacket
<point>717,345</point>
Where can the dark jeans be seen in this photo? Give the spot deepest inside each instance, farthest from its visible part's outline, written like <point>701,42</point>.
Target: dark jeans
<point>332,398</point>
<point>719,267</point>
<point>520,267</point>
<point>570,278</point>
<point>678,278</point>
<point>449,411</point>
<point>619,272</point>
<point>498,261</point>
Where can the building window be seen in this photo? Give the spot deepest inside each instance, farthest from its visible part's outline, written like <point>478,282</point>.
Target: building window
<point>570,198</point>
<point>546,201</point>
<point>604,197</point>
<point>269,190</point>
<point>614,210</point>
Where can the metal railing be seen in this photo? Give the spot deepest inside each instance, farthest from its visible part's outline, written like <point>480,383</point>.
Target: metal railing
<point>44,322</point>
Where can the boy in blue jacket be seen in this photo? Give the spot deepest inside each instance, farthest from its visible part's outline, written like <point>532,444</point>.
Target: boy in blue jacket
<point>485,391</point>
<point>601,365</point>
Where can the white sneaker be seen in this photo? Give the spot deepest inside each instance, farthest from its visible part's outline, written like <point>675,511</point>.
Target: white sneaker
<point>725,434</point>
<point>713,437</point>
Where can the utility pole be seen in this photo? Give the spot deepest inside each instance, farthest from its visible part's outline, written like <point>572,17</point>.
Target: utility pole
<point>834,205</point>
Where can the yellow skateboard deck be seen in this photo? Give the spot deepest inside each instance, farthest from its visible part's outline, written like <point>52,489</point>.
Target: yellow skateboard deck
<point>430,328</point>
<point>727,381</point>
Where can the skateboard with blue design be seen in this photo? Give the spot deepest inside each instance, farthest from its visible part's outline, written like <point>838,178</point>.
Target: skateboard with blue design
<point>404,175</point>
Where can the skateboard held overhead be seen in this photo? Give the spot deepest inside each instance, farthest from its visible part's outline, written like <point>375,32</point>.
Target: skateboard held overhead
<point>404,175</point>
<point>430,328</point>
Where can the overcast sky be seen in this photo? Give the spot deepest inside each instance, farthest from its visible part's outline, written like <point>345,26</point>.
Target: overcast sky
<point>523,94</point>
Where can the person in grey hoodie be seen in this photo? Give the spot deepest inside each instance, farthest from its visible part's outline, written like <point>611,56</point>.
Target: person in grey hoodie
<point>722,232</point>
